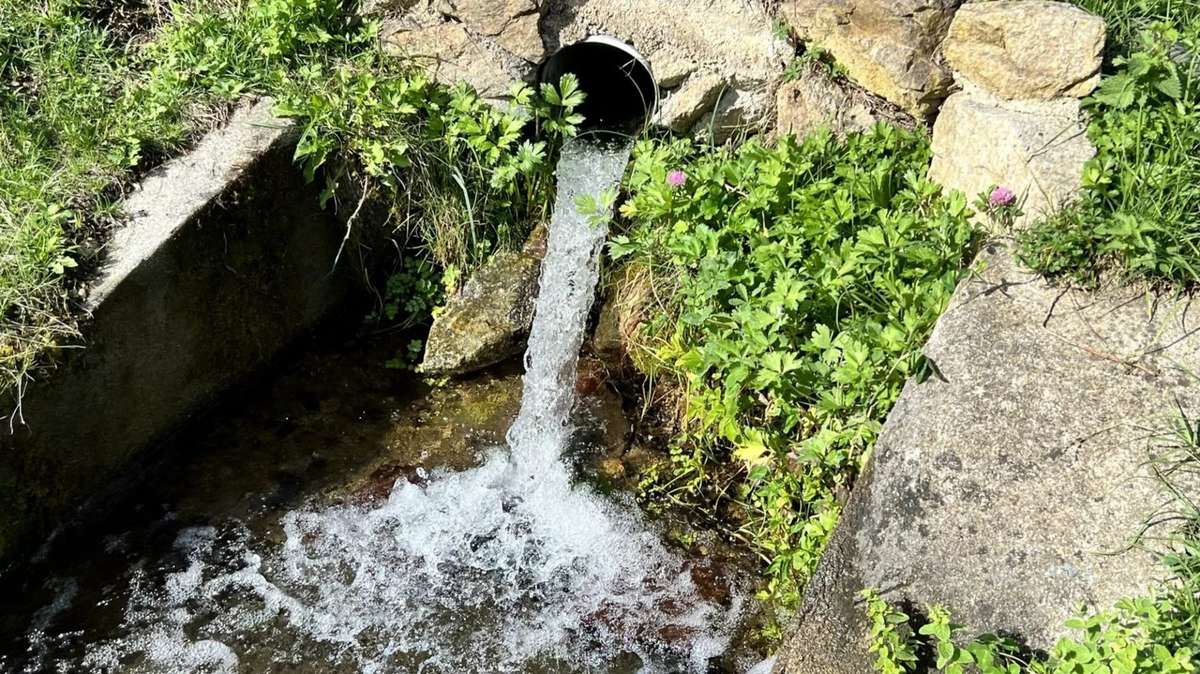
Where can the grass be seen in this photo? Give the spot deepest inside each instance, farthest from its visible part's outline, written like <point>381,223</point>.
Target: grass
<point>1126,19</point>
<point>93,94</point>
<point>1139,214</point>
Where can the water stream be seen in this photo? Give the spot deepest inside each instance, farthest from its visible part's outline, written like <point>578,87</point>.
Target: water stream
<point>508,566</point>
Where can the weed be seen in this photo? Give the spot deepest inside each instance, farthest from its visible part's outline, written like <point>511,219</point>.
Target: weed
<point>799,290</point>
<point>1140,209</point>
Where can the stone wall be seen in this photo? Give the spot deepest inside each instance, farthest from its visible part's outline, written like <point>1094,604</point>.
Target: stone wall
<point>718,62</point>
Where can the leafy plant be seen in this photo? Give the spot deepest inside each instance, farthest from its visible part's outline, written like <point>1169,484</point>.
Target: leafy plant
<point>85,106</point>
<point>462,176</point>
<point>1140,210</point>
<point>891,640</point>
<point>798,288</point>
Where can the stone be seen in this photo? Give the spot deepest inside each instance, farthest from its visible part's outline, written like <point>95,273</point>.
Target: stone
<point>816,100</point>
<point>1027,48</point>
<point>890,47</point>
<point>488,55</point>
<point>737,113</point>
<point>1010,483</point>
<point>513,24</point>
<point>701,41</point>
<point>488,321</point>
<point>671,66</point>
<point>683,108</point>
<point>1035,148</point>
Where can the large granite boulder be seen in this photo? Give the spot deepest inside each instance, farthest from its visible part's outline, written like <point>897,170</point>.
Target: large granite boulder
<point>1009,484</point>
<point>488,321</point>
<point>890,47</point>
<point>1037,149</point>
<point>1027,48</point>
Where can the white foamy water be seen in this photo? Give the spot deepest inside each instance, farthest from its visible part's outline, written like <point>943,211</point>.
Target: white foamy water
<point>507,567</point>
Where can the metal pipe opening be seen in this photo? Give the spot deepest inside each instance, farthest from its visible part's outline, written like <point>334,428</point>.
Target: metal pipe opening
<point>621,90</point>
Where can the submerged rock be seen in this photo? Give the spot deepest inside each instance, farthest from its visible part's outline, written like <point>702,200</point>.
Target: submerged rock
<point>489,320</point>
<point>1009,485</point>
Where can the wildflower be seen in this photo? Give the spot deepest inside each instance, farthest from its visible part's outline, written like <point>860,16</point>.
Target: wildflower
<point>1002,197</point>
<point>676,178</point>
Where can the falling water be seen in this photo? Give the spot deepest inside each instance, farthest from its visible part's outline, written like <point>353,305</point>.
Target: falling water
<point>587,171</point>
<point>507,567</point>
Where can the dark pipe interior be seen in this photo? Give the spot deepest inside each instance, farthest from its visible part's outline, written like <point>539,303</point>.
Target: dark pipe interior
<point>621,92</point>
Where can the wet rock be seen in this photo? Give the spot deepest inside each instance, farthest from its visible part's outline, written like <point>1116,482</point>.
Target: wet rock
<point>590,376</point>
<point>602,427</point>
<point>816,100</point>
<point>1035,148</point>
<point>1008,485</point>
<point>489,320</point>
<point>629,298</point>
<point>890,47</point>
<point>1027,48</point>
<point>610,469</point>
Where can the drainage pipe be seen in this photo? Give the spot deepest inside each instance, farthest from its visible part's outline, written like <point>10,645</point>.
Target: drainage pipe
<point>621,91</point>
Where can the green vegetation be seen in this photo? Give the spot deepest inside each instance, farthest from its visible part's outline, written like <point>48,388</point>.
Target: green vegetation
<point>1157,634</point>
<point>798,282</point>
<point>1125,20</point>
<point>460,175</point>
<point>1139,214</point>
<point>98,91</point>
<point>95,92</point>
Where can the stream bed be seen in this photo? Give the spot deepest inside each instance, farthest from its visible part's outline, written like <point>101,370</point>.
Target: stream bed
<point>341,517</point>
<point>165,585</point>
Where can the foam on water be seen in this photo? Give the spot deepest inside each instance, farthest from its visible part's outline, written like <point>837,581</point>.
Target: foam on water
<point>505,567</point>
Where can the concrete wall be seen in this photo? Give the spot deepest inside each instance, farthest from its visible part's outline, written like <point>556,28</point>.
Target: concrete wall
<point>225,259</point>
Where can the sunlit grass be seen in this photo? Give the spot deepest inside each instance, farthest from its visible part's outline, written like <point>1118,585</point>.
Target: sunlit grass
<point>92,92</point>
